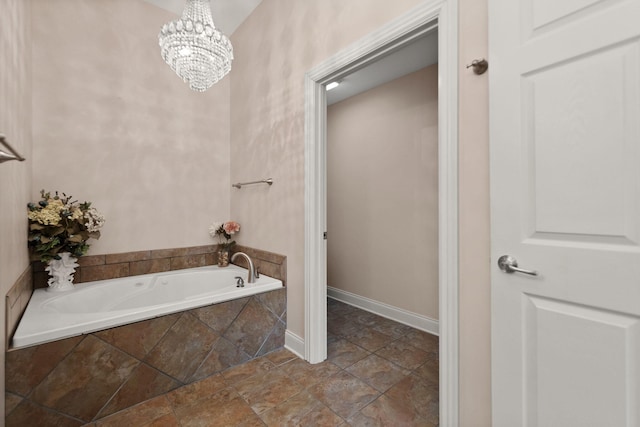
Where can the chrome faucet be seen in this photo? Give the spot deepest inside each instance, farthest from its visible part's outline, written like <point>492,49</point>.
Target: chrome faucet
<point>251,277</point>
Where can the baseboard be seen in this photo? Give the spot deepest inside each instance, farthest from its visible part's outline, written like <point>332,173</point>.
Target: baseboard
<point>400,315</point>
<point>294,343</point>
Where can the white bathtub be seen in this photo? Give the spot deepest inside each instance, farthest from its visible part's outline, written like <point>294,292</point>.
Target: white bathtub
<point>93,306</point>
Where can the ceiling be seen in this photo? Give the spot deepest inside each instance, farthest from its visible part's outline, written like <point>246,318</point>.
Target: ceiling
<point>229,14</point>
<point>413,57</point>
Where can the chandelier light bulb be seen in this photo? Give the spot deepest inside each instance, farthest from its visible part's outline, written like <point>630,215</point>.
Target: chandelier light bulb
<point>194,49</point>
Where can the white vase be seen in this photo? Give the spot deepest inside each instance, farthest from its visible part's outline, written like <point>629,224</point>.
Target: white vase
<point>61,272</point>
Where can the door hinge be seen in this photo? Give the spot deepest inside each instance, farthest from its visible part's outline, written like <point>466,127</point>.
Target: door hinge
<point>325,235</point>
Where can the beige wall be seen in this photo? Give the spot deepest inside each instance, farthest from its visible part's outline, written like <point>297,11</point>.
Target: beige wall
<point>15,124</point>
<point>382,193</point>
<point>475,286</point>
<point>112,124</point>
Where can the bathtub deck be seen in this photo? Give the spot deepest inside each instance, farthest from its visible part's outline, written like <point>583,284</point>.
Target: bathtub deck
<point>99,305</point>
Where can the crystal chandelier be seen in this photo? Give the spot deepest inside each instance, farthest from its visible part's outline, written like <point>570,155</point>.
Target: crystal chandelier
<point>193,47</point>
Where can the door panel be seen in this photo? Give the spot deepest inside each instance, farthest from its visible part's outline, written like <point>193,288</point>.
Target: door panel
<point>565,201</point>
<point>570,133</point>
<point>546,12</point>
<point>575,364</point>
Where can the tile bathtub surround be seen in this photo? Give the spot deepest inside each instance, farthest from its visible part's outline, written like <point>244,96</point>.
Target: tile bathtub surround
<point>354,387</point>
<point>16,302</point>
<point>112,266</point>
<point>82,379</point>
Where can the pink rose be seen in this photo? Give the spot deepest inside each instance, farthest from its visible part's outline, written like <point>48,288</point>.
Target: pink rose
<point>231,227</point>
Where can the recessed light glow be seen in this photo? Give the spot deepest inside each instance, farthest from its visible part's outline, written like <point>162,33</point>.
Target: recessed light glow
<point>332,85</point>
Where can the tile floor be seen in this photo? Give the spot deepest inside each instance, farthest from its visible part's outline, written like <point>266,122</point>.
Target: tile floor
<point>378,373</point>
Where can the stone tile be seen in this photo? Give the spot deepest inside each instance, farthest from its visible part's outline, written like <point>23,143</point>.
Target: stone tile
<point>261,254</point>
<point>338,308</point>
<point>13,295</point>
<point>266,390</point>
<point>379,373</point>
<point>29,414</point>
<point>183,348</point>
<point>251,421</point>
<point>26,368</point>
<point>275,340</point>
<point>302,409</point>
<point>429,371</point>
<point>275,301</point>
<point>211,259</point>
<point>155,412</point>
<point>181,252</point>
<point>38,266</point>
<point>370,339</point>
<point>144,383</point>
<point>103,272</point>
<point>219,316</point>
<point>197,390</point>
<point>225,408</point>
<point>306,374</point>
<point>403,354</point>
<point>89,260</point>
<point>246,370</point>
<point>344,394</point>
<point>204,249</point>
<point>423,340</point>
<point>188,261</point>
<point>344,353</point>
<point>365,318</point>
<point>40,279</point>
<point>139,338</point>
<point>417,396</point>
<point>271,270</point>
<point>252,326</point>
<point>127,257</point>
<point>340,325</point>
<point>10,402</point>
<point>137,268</point>
<point>332,337</point>
<point>388,412</point>
<point>167,420</point>
<point>85,380</point>
<point>168,253</point>
<point>13,315</point>
<point>391,328</point>
<point>281,357</point>
<point>16,302</point>
<point>222,356</point>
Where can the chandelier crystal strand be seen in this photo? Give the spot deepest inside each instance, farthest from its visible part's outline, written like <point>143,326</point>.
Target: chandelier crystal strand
<point>192,46</point>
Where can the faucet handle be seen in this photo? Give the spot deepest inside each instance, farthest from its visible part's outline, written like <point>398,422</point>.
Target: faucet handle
<point>257,273</point>
<point>239,282</point>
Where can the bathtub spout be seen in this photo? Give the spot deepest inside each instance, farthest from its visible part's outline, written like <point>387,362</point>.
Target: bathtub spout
<point>251,276</point>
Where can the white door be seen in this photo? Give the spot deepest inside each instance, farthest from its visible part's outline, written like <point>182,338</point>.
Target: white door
<point>565,200</point>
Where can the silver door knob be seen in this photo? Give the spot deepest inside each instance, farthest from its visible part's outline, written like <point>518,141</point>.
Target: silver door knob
<point>509,264</point>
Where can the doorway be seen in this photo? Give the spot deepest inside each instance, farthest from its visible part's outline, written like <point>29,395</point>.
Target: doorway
<point>440,15</point>
<point>382,187</point>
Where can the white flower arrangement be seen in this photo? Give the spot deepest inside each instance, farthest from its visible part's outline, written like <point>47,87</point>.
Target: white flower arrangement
<point>224,230</point>
<point>57,225</point>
